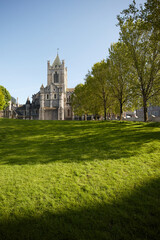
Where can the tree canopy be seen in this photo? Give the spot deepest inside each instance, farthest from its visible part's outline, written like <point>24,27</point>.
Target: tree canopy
<point>130,76</point>
<point>2,100</point>
<point>97,82</point>
<point>144,50</point>
<point>7,96</point>
<point>121,76</point>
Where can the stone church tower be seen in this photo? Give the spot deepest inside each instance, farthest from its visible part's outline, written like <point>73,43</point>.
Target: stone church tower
<point>54,98</point>
<point>52,102</point>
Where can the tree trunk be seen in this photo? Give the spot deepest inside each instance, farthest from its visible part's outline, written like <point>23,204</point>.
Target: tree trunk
<point>105,109</point>
<point>104,104</point>
<point>145,112</point>
<point>105,114</point>
<point>121,111</point>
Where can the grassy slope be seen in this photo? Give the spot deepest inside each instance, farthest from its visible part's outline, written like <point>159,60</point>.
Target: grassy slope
<point>79,180</point>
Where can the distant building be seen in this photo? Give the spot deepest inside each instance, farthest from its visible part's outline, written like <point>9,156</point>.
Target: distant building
<point>153,111</point>
<point>52,102</point>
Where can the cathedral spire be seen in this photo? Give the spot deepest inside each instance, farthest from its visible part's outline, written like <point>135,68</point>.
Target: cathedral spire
<point>28,101</point>
<point>57,61</point>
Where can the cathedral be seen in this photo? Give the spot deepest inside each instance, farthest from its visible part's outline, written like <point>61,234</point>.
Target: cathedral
<point>52,102</point>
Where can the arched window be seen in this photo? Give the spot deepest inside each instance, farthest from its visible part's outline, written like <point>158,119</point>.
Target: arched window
<point>47,96</point>
<point>68,112</point>
<point>69,98</point>
<point>55,96</point>
<point>56,77</point>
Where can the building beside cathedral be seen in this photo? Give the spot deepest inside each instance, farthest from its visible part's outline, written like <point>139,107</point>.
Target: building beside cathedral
<point>52,102</point>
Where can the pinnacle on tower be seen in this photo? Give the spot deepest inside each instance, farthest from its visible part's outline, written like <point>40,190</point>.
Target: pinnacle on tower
<point>28,101</point>
<point>57,61</point>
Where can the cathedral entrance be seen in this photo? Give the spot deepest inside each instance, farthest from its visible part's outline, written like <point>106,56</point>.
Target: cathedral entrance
<point>51,114</point>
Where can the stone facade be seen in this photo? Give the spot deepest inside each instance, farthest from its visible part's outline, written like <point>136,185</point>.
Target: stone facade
<point>52,102</point>
<point>53,97</point>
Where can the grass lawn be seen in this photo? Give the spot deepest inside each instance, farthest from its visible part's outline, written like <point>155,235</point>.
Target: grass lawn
<point>72,180</point>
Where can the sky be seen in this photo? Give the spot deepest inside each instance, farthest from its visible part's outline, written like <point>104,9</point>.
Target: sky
<point>32,30</point>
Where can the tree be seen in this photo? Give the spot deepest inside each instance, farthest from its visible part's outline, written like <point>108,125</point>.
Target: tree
<point>2,101</point>
<point>97,83</point>
<point>144,48</point>
<point>94,105</point>
<point>78,100</point>
<point>7,96</point>
<point>121,76</point>
<point>151,15</point>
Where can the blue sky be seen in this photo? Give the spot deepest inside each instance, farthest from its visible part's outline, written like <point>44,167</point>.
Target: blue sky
<point>32,30</point>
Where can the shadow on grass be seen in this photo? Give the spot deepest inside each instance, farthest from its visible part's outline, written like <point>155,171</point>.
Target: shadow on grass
<point>133,217</point>
<point>32,142</point>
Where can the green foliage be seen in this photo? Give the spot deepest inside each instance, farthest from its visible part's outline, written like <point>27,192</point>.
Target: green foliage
<point>2,100</point>
<point>121,76</point>
<point>7,96</point>
<point>97,82</point>
<point>130,77</point>
<point>94,96</point>
<point>78,100</point>
<point>79,180</point>
<point>144,48</point>
<point>95,105</point>
<point>151,15</point>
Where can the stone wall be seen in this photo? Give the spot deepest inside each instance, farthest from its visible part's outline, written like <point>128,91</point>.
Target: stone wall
<point>51,114</point>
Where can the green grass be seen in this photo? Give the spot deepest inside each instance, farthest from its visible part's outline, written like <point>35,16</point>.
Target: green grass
<point>79,180</point>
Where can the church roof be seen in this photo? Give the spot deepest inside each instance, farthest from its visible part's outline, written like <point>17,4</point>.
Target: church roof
<point>57,61</point>
<point>70,89</point>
